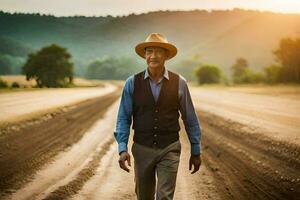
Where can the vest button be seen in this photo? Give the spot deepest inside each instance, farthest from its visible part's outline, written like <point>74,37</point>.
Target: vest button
<point>156,111</point>
<point>155,135</point>
<point>155,142</point>
<point>155,127</point>
<point>155,119</point>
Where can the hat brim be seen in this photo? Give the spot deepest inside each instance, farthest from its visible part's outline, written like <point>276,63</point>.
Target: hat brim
<point>140,48</point>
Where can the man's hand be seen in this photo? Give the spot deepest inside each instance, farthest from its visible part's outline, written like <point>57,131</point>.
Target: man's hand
<point>196,161</point>
<point>123,157</point>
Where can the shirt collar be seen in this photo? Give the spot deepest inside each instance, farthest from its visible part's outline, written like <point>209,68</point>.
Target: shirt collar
<point>166,74</point>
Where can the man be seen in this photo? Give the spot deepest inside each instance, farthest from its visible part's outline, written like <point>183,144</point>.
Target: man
<point>153,98</point>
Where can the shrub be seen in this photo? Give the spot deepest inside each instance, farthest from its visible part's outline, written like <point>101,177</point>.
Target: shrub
<point>208,74</point>
<point>15,85</point>
<point>3,84</point>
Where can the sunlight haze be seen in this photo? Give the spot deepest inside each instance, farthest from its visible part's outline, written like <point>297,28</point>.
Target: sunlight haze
<point>125,7</point>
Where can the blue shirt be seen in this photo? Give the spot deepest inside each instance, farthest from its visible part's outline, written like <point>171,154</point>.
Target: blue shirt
<point>188,115</point>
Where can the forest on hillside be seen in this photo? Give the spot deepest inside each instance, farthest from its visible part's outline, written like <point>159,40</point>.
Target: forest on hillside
<point>218,37</point>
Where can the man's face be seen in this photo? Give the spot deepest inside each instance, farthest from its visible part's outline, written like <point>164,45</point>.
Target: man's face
<point>156,56</point>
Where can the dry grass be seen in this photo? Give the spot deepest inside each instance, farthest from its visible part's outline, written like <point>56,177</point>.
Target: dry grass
<point>29,85</point>
<point>18,78</point>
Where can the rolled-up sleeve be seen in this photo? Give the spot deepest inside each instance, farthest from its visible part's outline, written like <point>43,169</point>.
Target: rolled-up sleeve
<point>189,117</point>
<point>124,117</point>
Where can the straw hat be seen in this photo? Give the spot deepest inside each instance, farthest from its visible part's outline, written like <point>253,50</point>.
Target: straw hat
<point>156,40</point>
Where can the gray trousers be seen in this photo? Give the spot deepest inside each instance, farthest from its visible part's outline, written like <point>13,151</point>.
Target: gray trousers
<point>150,163</point>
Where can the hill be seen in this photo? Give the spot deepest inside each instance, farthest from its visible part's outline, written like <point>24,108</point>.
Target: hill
<point>216,37</point>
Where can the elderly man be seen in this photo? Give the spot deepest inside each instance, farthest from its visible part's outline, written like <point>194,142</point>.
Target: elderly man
<point>153,99</point>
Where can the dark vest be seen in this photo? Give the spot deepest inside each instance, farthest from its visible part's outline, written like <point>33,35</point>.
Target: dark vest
<point>156,124</point>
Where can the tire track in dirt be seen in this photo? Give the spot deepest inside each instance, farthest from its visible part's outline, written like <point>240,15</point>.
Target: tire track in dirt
<point>26,150</point>
<point>72,187</point>
<point>64,176</point>
<point>249,165</point>
<point>277,114</point>
<point>196,186</point>
<point>109,182</point>
<point>238,162</point>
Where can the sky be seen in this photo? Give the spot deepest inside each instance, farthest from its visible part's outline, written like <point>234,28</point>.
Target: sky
<point>125,7</point>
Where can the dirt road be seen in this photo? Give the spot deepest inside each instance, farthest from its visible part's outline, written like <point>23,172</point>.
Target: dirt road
<point>249,165</point>
<point>72,155</point>
<point>89,170</point>
<point>275,116</point>
<point>26,104</point>
<point>23,152</point>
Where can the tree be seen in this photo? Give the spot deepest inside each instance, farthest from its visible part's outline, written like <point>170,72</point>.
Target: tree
<point>50,67</point>
<point>109,68</point>
<point>288,54</point>
<point>102,69</point>
<point>242,73</point>
<point>239,70</point>
<point>253,77</point>
<point>208,74</point>
<point>3,84</point>
<point>273,73</point>
<point>14,48</point>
